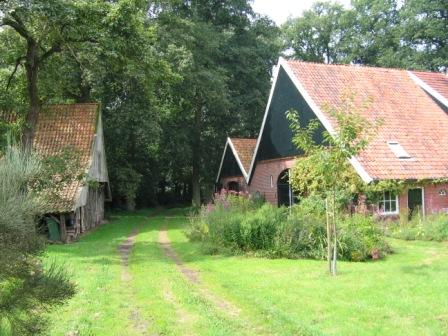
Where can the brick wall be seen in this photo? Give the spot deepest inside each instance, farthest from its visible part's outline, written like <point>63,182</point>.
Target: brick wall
<point>261,180</point>
<point>434,200</point>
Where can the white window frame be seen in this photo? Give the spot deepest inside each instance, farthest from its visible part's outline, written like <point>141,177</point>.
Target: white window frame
<point>388,213</point>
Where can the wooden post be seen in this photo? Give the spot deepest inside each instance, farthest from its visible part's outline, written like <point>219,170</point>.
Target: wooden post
<point>335,242</point>
<point>329,249</point>
<point>63,228</point>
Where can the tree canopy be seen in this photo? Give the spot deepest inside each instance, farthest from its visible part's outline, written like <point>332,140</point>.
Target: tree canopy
<point>390,33</point>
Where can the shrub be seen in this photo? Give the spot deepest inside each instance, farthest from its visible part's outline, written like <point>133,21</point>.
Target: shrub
<point>259,228</point>
<point>237,225</point>
<point>360,238</point>
<point>431,227</point>
<point>301,236</point>
<point>28,290</point>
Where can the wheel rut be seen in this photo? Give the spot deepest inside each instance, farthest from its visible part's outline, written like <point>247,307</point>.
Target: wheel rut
<point>140,324</point>
<point>193,276</point>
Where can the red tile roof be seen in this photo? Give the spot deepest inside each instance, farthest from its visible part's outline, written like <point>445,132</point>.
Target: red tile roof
<point>61,127</point>
<point>410,116</point>
<point>437,81</point>
<point>245,149</point>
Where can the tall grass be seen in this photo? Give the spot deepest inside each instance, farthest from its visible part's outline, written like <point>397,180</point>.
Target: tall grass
<point>430,227</point>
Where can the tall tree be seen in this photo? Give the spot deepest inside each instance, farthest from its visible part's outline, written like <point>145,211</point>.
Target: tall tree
<point>121,69</point>
<point>45,28</point>
<point>424,32</point>
<point>373,33</point>
<point>317,35</point>
<point>216,47</point>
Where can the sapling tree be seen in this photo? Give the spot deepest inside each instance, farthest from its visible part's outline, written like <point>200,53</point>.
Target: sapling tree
<point>324,169</point>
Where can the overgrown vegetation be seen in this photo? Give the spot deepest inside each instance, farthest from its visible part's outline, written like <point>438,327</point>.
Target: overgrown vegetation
<point>430,227</point>
<point>238,225</point>
<point>27,288</point>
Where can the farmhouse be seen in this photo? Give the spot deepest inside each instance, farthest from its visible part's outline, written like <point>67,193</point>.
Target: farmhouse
<point>79,205</point>
<point>411,145</point>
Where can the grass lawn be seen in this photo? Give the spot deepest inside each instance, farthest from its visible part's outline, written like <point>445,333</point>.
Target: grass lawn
<point>188,293</point>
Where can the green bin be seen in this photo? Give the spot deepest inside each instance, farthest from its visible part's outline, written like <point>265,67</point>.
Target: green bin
<point>53,229</point>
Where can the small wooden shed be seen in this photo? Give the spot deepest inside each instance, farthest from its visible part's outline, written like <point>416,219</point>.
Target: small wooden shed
<point>79,206</point>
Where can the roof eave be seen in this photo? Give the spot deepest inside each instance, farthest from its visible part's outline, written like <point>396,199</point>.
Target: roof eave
<point>429,89</point>
<point>260,134</point>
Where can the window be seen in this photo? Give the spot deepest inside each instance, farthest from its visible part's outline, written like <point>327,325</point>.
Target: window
<point>388,205</point>
<point>398,150</point>
<point>233,186</point>
<point>272,181</point>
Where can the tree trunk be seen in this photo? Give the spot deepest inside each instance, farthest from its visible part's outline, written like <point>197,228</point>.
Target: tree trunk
<point>196,164</point>
<point>196,199</point>
<point>32,68</point>
<point>130,203</point>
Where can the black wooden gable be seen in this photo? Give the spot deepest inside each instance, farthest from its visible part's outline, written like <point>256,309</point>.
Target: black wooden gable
<point>276,138</point>
<point>230,165</point>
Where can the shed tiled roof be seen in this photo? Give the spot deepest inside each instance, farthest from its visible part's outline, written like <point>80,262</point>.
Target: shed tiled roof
<point>245,149</point>
<point>437,81</point>
<point>409,115</point>
<point>61,127</point>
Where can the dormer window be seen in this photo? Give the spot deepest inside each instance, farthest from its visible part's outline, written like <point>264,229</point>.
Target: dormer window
<point>398,150</point>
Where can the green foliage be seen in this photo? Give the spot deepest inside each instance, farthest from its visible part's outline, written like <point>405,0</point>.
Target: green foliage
<point>302,234</point>
<point>390,33</point>
<point>27,289</point>
<point>360,238</point>
<point>374,192</point>
<point>128,183</point>
<point>234,225</point>
<point>316,35</point>
<point>423,30</point>
<point>431,227</point>
<point>224,54</point>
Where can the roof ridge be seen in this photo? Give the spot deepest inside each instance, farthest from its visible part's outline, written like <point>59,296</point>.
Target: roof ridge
<point>429,72</point>
<point>364,66</point>
<point>233,138</point>
<point>73,104</point>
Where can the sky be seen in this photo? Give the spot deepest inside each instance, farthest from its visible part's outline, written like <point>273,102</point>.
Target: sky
<point>280,10</point>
